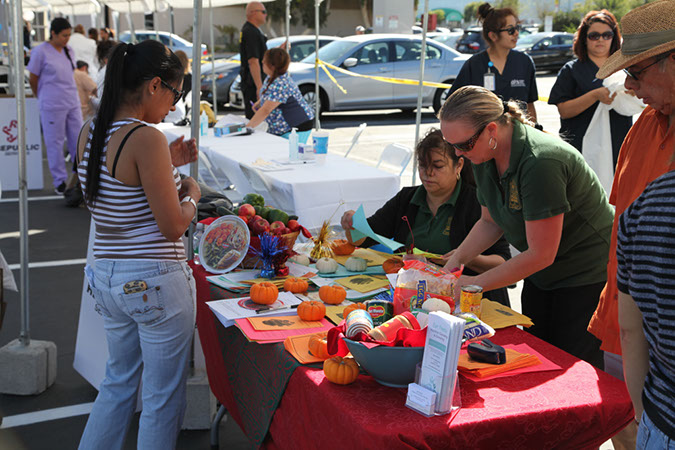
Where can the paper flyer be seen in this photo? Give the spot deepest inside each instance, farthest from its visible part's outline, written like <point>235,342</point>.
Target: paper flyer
<point>362,229</point>
<point>298,346</point>
<point>231,309</point>
<point>363,283</point>
<point>372,257</point>
<point>280,323</point>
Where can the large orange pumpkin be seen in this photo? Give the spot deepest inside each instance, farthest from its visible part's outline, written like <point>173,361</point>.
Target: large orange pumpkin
<point>264,293</point>
<point>352,307</point>
<point>296,285</point>
<point>392,265</point>
<point>342,247</point>
<point>318,345</point>
<point>340,370</point>
<point>333,295</point>
<point>311,310</point>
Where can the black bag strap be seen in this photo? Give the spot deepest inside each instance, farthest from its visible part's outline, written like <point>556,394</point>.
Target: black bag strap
<point>68,56</point>
<point>119,150</point>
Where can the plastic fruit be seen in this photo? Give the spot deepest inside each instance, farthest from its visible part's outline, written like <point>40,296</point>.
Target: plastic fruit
<point>264,293</point>
<point>311,310</point>
<point>340,370</point>
<point>333,295</point>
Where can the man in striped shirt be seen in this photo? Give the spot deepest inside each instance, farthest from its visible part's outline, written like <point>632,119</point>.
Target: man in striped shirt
<point>646,283</point>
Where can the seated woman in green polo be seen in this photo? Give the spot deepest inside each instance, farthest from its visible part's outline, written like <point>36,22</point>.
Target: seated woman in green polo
<point>538,192</point>
<point>440,212</point>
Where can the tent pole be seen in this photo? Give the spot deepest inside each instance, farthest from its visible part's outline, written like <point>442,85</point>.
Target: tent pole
<point>196,86</point>
<point>317,122</point>
<point>155,18</point>
<point>288,25</point>
<point>131,25</point>
<point>423,57</point>
<point>172,26</point>
<point>213,63</point>
<point>20,96</point>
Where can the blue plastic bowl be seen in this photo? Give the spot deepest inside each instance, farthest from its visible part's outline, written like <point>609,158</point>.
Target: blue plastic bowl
<point>391,366</point>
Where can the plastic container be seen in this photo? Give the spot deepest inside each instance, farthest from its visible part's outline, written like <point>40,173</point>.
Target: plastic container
<point>224,244</point>
<point>203,123</point>
<point>293,145</point>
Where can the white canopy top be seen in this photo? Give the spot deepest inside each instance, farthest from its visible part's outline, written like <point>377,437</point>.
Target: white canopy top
<point>90,6</point>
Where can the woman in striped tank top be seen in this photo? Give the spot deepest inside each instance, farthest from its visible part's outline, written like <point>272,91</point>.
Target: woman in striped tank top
<point>143,288</point>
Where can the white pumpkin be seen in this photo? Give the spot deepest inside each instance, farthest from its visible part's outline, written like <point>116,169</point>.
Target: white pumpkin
<point>300,259</point>
<point>436,304</point>
<point>326,265</point>
<point>356,264</point>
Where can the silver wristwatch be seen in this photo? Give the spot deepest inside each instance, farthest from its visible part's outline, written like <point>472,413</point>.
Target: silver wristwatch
<point>187,199</point>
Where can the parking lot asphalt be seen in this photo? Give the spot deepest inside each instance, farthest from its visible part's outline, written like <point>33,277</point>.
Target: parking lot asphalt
<point>58,239</point>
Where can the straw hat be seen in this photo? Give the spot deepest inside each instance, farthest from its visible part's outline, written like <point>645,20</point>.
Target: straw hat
<point>647,31</point>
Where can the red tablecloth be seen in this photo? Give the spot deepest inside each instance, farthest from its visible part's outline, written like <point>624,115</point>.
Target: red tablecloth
<point>576,407</point>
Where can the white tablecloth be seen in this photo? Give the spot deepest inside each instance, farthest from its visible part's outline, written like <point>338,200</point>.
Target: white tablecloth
<point>312,192</point>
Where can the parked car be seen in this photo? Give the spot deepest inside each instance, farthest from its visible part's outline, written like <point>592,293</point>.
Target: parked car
<point>173,41</point>
<point>384,55</point>
<point>472,41</point>
<point>550,51</point>
<point>450,39</point>
<point>226,70</point>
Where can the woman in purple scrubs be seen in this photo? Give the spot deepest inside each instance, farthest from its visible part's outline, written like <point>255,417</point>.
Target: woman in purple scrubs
<point>51,69</point>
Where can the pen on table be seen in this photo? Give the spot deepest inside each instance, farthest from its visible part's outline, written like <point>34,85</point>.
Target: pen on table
<point>265,310</point>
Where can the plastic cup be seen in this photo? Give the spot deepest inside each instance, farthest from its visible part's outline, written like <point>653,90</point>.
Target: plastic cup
<point>320,141</point>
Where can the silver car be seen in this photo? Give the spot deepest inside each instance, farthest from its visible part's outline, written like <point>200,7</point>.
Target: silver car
<point>173,41</point>
<point>381,55</point>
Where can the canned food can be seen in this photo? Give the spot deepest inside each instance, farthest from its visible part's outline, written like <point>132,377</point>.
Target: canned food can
<point>356,322</point>
<point>387,331</point>
<point>380,311</point>
<point>470,301</point>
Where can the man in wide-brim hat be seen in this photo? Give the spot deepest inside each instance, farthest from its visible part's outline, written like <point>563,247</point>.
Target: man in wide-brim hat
<point>647,56</point>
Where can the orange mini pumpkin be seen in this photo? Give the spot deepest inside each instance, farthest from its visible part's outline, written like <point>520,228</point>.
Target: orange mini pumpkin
<point>264,293</point>
<point>333,295</point>
<point>296,285</point>
<point>311,310</point>
<point>318,346</point>
<point>342,247</point>
<point>340,370</point>
<point>352,307</point>
<point>392,265</point>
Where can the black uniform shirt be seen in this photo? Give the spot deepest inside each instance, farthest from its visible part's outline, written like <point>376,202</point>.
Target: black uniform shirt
<point>517,82</point>
<point>252,44</point>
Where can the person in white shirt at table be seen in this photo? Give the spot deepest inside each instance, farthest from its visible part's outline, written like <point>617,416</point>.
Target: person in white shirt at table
<point>85,48</point>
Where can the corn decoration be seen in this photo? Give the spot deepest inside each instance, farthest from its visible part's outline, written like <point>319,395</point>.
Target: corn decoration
<point>322,248</point>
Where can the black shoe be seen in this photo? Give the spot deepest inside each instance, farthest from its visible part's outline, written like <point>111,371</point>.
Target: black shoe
<point>60,189</point>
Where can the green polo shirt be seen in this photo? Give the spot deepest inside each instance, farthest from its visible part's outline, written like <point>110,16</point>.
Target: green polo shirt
<point>432,233</point>
<point>547,177</point>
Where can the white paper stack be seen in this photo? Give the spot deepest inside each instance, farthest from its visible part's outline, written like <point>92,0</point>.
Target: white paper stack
<point>441,354</point>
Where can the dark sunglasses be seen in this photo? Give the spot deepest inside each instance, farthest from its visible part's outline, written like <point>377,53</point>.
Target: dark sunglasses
<point>468,145</point>
<point>512,30</point>
<point>594,36</point>
<point>176,93</point>
<point>635,74</point>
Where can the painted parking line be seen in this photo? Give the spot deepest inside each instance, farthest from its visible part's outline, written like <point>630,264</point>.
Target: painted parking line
<point>32,199</point>
<point>39,265</point>
<point>46,415</point>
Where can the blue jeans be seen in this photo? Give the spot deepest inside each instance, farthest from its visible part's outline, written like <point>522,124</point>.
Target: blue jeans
<point>651,438</point>
<point>149,336</point>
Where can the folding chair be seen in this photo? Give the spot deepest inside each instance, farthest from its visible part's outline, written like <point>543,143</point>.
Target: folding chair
<point>356,137</point>
<point>262,186</point>
<point>397,156</point>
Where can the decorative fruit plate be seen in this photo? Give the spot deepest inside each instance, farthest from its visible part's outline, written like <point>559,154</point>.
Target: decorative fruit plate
<point>224,244</point>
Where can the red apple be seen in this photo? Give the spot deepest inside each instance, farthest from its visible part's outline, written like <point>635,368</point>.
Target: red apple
<point>277,227</point>
<point>256,218</point>
<point>286,230</point>
<point>293,225</point>
<point>260,226</point>
<point>245,219</point>
<point>246,210</point>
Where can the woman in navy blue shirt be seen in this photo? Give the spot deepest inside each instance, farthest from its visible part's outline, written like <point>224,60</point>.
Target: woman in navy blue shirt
<point>577,92</point>
<point>506,72</point>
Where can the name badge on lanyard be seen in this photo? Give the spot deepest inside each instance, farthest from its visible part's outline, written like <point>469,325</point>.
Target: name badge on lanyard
<point>489,79</point>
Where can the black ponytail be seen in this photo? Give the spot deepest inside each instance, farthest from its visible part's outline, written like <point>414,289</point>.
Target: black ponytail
<point>129,67</point>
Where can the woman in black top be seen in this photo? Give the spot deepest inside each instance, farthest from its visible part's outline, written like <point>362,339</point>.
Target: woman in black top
<point>506,72</point>
<point>577,92</point>
<point>440,212</point>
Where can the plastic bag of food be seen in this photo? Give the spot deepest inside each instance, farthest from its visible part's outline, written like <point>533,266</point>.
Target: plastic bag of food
<point>418,281</point>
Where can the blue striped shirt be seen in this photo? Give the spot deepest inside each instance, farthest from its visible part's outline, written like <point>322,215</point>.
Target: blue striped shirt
<point>646,258</point>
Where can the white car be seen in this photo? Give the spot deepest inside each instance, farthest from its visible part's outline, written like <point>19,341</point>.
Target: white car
<point>173,41</point>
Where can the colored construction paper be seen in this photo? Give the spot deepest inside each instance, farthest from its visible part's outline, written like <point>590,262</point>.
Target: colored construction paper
<point>362,229</point>
<point>264,337</point>
<point>281,323</point>
<point>298,346</point>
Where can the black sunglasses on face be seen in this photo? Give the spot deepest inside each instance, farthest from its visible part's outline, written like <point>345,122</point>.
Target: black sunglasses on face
<point>176,93</point>
<point>635,74</point>
<point>512,30</point>
<point>594,36</point>
<point>468,145</point>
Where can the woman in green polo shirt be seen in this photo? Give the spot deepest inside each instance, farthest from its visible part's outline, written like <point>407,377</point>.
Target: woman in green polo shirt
<point>440,212</point>
<point>539,193</point>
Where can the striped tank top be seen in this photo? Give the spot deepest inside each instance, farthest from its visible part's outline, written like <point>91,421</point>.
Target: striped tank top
<point>125,225</point>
